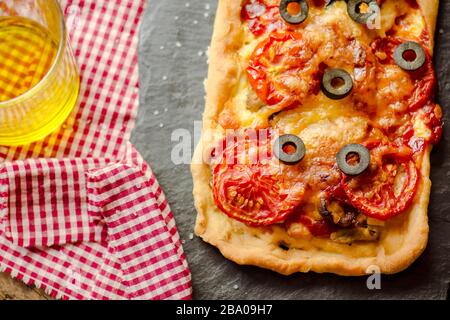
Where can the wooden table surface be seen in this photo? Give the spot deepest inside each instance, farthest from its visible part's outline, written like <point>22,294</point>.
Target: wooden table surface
<point>13,289</point>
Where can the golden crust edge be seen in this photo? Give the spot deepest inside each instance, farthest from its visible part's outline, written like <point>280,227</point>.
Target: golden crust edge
<point>219,83</point>
<point>430,9</point>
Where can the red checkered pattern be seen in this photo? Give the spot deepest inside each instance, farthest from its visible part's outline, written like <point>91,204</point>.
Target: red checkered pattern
<point>81,213</point>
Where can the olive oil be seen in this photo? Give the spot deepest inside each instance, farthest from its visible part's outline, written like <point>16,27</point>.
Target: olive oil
<point>39,81</point>
<point>27,53</point>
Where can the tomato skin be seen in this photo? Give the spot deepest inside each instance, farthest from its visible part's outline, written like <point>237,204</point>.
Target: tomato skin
<point>431,116</point>
<point>248,178</point>
<point>433,120</point>
<point>379,200</point>
<point>424,78</point>
<point>254,192</point>
<point>417,145</point>
<point>318,228</point>
<point>287,53</point>
<point>426,83</point>
<point>262,16</point>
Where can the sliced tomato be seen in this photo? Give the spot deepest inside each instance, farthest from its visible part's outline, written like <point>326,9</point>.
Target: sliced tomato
<point>279,71</point>
<point>431,116</point>
<point>262,16</point>
<point>318,228</point>
<point>424,79</point>
<point>253,189</point>
<point>430,124</point>
<point>409,139</point>
<point>389,185</point>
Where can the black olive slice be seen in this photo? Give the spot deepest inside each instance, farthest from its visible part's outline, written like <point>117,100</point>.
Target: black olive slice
<point>329,2</point>
<point>417,56</point>
<point>353,9</point>
<point>337,84</point>
<point>289,140</point>
<point>362,163</point>
<point>299,17</point>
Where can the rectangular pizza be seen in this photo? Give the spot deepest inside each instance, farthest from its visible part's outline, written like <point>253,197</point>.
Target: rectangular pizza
<point>319,122</point>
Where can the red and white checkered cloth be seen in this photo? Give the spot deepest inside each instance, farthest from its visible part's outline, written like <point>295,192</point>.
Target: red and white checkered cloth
<point>81,213</point>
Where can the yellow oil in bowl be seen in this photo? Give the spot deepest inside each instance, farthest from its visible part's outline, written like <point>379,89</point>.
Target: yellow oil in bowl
<point>39,82</point>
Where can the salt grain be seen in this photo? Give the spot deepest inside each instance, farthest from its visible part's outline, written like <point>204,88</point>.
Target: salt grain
<point>191,236</point>
<point>178,44</point>
<point>156,112</point>
<point>161,125</point>
<point>235,287</point>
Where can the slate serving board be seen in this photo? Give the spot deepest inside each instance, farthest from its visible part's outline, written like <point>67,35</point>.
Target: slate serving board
<point>174,38</point>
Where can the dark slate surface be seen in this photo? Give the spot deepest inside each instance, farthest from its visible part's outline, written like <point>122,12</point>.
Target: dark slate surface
<point>174,37</point>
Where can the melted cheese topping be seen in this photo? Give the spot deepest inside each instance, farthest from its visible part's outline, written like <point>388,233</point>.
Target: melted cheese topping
<point>247,110</point>
<point>326,125</point>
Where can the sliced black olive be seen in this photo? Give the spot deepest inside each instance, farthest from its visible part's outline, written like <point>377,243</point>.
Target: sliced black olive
<point>417,56</point>
<point>361,164</point>
<point>353,9</point>
<point>329,2</point>
<point>289,140</point>
<point>337,84</point>
<point>297,18</point>
<point>284,246</point>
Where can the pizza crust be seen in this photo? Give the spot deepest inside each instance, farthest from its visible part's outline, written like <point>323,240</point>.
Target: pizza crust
<point>404,237</point>
<point>430,12</point>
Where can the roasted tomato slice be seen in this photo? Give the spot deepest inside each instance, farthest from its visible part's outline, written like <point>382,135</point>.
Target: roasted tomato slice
<point>425,127</point>
<point>389,185</point>
<point>279,71</point>
<point>249,184</point>
<point>318,228</point>
<point>431,117</point>
<point>262,16</point>
<point>423,79</point>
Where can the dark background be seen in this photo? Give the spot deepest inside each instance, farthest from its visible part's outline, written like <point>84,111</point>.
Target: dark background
<point>174,38</point>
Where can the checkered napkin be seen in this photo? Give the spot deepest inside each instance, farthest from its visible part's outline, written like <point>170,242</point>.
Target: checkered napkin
<point>81,213</point>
